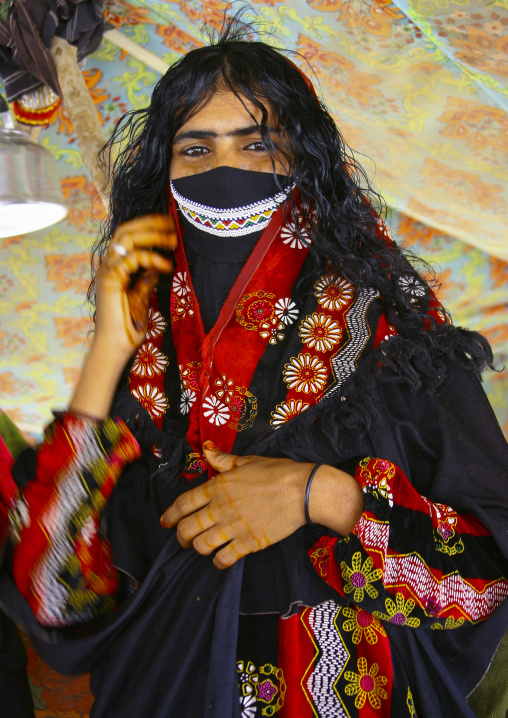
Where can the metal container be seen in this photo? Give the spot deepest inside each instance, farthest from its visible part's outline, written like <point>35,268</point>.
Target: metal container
<point>30,196</point>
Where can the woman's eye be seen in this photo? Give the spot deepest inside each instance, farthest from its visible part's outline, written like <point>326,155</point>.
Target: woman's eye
<point>195,151</point>
<point>256,146</point>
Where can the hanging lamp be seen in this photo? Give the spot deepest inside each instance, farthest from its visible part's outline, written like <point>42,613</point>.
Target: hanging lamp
<point>30,196</point>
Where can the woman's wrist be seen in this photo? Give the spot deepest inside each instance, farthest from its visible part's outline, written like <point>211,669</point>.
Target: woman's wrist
<point>335,500</point>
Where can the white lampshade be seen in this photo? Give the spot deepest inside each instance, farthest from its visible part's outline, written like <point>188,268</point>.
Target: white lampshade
<point>30,196</point>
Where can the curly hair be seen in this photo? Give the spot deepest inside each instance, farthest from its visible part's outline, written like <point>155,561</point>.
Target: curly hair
<point>339,209</point>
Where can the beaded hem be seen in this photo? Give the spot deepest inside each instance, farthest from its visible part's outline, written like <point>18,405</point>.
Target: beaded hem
<point>233,222</point>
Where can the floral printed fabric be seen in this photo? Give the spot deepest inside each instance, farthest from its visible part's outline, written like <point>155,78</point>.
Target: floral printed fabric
<point>291,348</point>
<point>397,570</point>
<point>61,565</point>
<point>380,568</point>
<point>418,87</point>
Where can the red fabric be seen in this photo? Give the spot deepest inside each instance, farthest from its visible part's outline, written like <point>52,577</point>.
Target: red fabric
<point>50,496</point>
<point>445,590</point>
<point>297,653</point>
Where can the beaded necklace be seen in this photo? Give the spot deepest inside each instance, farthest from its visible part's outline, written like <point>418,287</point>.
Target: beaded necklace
<point>233,222</point>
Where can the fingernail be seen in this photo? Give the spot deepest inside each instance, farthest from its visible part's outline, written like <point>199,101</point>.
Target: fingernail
<point>162,523</point>
<point>210,446</point>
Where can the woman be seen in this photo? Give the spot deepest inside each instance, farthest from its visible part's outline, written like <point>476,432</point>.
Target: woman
<point>300,412</point>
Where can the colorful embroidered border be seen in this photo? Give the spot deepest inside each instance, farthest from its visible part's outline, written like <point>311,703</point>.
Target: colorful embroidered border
<point>232,222</point>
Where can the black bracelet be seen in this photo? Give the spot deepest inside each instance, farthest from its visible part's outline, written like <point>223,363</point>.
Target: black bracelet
<point>307,495</point>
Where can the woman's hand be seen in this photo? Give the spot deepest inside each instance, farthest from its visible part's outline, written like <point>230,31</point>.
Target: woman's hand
<point>122,309</point>
<point>255,501</point>
<point>121,317</point>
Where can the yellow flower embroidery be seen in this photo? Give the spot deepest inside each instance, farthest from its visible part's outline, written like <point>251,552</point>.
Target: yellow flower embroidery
<point>366,684</point>
<point>398,612</point>
<point>320,332</point>
<point>305,373</point>
<point>358,578</point>
<point>362,623</point>
<point>450,623</point>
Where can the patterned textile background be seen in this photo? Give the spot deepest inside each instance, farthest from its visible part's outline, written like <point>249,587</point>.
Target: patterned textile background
<point>419,88</point>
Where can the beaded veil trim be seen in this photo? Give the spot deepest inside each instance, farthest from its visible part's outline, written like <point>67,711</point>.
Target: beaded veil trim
<point>233,222</point>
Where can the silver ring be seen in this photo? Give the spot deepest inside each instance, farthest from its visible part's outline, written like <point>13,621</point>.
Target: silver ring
<point>119,249</point>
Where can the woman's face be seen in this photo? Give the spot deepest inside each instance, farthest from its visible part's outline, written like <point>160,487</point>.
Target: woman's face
<point>223,133</point>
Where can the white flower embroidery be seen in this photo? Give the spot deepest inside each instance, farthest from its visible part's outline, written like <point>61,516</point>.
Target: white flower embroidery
<point>412,285</point>
<point>152,399</point>
<point>215,411</point>
<point>187,400</point>
<point>332,293</point>
<point>248,705</point>
<point>272,328</point>
<point>286,310</point>
<point>226,388</point>
<point>149,361</point>
<point>289,235</point>
<point>305,373</point>
<point>180,284</point>
<point>320,332</point>
<point>156,324</point>
<point>286,411</point>
<point>184,306</point>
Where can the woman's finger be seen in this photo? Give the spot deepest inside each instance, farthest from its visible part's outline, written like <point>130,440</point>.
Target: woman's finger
<point>135,240</point>
<point>146,223</point>
<point>124,267</point>
<point>200,531</point>
<point>220,460</point>
<point>230,554</point>
<point>187,504</point>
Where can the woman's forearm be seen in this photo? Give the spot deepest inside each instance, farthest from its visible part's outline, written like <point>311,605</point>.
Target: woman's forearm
<point>97,384</point>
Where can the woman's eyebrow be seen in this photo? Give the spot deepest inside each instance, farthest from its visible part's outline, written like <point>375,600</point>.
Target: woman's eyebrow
<point>207,134</point>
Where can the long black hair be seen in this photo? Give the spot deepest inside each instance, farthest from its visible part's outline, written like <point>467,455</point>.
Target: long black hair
<point>339,208</point>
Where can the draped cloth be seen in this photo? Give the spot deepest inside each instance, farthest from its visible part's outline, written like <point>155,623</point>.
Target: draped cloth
<point>318,376</point>
<point>26,34</point>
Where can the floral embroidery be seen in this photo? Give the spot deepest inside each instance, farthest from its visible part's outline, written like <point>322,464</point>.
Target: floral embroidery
<point>180,284</point>
<point>305,373</point>
<point>412,285</point>
<point>196,462</point>
<point>149,361</point>
<point>286,411</point>
<point>151,399</point>
<point>156,324</point>
<point>244,407</point>
<point>215,411</point>
<point>358,578</point>
<point>366,684</point>
<point>272,328</point>
<point>444,519</point>
<point>226,388</point>
<point>332,293</point>
<point>398,612</point>
<point>286,310</point>
<point>255,308</point>
<point>320,332</point>
<point>449,625</point>
<point>236,406</point>
<point>187,400</point>
<point>266,686</point>
<point>362,623</point>
<point>320,560</point>
<point>190,375</point>
<point>289,235</point>
<point>182,307</point>
<point>260,310</point>
<point>410,704</point>
<point>376,476</point>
